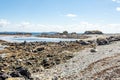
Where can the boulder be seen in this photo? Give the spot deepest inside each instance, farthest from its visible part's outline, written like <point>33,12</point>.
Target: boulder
<point>84,42</point>
<point>102,41</point>
<point>113,38</point>
<point>93,32</point>
<point>24,72</point>
<point>3,76</point>
<point>15,74</point>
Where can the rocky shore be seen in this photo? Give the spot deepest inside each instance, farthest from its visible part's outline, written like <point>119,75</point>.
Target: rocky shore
<point>101,64</point>
<point>50,60</point>
<point>34,57</point>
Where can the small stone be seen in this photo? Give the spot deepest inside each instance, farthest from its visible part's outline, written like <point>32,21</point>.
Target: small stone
<point>20,60</point>
<point>55,78</point>
<point>40,48</point>
<point>93,50</point>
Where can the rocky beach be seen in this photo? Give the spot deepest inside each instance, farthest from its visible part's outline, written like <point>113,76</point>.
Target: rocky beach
<point>94,56</point>
<point>59,39</point>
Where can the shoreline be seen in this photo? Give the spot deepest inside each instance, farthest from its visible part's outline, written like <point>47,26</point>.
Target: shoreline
<point>52,57</point>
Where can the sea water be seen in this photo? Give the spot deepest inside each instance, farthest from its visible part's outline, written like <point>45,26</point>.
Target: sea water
<point>33,39</point>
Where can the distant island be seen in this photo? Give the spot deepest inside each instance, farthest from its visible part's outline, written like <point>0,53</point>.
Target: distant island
<point>15,33</point>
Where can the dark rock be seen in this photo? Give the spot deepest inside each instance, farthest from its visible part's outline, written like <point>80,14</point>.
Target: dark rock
<point>13,56</point>
<point>113,38</point>
<point>93,50</point>
<point>29,63</point>
<point>24,72</point>
<point>102,41</point>
<point>49,55</point>
<point>39,49</point>
<point>84,42</point>
<point>93,32</point>
<point>15,74</point>
<point>91,41</point>
<point>47,63</point>
<point>3,76</point>
<point>57,61</point>
<point>67,57</point>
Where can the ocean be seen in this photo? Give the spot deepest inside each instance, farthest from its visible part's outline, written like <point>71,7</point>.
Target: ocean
<point>33,39</point>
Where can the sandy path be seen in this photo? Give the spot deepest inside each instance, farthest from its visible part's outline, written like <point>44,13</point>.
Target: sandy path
<point>72,69</point>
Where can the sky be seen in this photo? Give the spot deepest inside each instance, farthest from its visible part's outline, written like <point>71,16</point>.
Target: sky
<point>60,15</point>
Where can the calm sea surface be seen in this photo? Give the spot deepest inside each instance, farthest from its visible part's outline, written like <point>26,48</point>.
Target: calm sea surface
<point>32,39</point>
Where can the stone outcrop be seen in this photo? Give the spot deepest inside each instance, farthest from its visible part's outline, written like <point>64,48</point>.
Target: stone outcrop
<point>18,72</point>
<point>102,41</point>
<point>113,38</point>
<point>93,32</point>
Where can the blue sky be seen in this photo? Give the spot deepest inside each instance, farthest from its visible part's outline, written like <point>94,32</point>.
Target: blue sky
<point>60,15</point>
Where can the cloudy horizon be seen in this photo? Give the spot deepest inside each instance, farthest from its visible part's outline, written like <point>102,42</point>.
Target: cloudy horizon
<point>59,15</point>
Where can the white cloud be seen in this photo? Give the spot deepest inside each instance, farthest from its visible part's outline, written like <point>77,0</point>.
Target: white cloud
<point>4,22</point>
<point>117,1</point>
<point>118,8</point>
<point>71,15</point>
<point>78,27</point>
<point>25,24</point>
<point>113,0</point>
